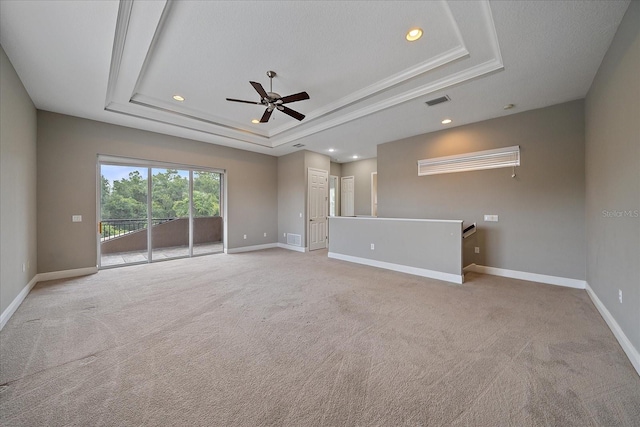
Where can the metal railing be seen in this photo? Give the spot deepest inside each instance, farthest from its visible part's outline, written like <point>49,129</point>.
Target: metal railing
<point>112,228</point>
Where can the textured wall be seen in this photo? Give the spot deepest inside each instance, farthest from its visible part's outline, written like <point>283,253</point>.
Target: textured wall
<point>541,226</point>
<point>67,154</point>
<point>613,177</point>
<point>17,185</point>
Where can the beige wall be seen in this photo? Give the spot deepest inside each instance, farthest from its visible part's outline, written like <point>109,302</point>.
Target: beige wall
<point>541,226</point>
<point>433,248</point>
<point>335,169</point>
<point>613,177</point>
<point>361,171</point>
<point>67,153</point>
<point>292,191</point>
<point>17,185</point>
<point>291,195</point>
<point>316,161</point>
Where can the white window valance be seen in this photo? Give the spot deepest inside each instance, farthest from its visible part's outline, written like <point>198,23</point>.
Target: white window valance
<point>488,159</point>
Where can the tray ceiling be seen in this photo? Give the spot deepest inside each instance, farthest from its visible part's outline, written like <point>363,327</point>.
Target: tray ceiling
<point>121,62</point>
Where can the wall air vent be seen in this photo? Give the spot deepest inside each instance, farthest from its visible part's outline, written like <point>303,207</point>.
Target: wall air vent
<point>489,159</point>
<point>294,239</point>
<point>298,145</point>
<point>437,101</point>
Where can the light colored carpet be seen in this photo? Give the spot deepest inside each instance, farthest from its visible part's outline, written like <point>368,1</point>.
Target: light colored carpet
<point>289,339</point>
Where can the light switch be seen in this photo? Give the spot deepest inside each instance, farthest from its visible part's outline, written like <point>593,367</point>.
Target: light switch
<point>76,218</point>
<point>491,218</point>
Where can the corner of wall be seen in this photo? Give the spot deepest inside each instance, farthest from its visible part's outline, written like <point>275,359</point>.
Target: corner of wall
<point>613,185</point>
<point>18,187</point>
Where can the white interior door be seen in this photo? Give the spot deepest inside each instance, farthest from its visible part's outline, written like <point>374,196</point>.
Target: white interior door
<point>346,201</point>
<point>318,182</point>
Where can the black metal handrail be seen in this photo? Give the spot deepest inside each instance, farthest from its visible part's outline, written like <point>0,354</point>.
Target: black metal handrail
<point>112,228</point>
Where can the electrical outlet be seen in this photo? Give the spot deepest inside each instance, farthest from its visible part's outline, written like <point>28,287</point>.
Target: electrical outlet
<point>620,295</point>
<point>24,267</point>
<point>477,249</point>
<point>284,235</point>
<point>76,218</point>
<point>300,214</point>
<point>245,237</point>
<point>265,234</point>
<point>373,247</point>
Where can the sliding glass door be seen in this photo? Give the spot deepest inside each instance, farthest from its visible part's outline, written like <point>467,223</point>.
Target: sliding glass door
<point>153,213</point>
<point>123,215</point>
<point>170,213</point>
<point>207,219</point>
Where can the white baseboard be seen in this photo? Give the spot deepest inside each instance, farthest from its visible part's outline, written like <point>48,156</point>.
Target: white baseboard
<point>523,275</point>
<point>292,248</point>
<point>251,248</point>
<point>66,274</point>
<point>8,312</point>
<point>447,277</point>
<point>629,349</point>
<point>54,275</point>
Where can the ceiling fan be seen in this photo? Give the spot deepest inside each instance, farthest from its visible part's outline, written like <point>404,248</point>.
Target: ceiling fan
<point>273,101</point>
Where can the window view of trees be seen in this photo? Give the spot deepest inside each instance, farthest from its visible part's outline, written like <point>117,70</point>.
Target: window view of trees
<point>132,234</point>
<point>126,198</point>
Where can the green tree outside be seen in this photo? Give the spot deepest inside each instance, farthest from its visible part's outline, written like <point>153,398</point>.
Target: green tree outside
<point>127,197</point>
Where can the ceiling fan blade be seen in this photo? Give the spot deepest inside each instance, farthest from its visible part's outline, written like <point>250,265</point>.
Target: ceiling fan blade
<point>290,112</point>
<point>258,87</point>
<point>241,100</point>
<point>293,98</point>
<point>266,116</point>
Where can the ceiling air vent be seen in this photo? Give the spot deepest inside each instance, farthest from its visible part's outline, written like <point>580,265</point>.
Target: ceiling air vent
<point>298,145</point>
<point>438,101</point>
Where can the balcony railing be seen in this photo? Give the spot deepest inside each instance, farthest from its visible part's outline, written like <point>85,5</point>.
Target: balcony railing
<point>131,235</point>
<point>112,228</point>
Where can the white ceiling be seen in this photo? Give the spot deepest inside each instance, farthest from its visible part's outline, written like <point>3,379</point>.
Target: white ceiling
<point>121,63</point>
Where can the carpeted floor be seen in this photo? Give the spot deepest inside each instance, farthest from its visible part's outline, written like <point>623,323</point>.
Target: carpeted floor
<point>288,339</point>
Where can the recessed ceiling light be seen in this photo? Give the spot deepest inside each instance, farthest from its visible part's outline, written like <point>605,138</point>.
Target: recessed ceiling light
<point>414,34</point>
<point>446,121</point>
<point>508,106</point>
<point>255,121</point>
<point>178,98</point>
<point>331,150</point>
<point>355,157</point>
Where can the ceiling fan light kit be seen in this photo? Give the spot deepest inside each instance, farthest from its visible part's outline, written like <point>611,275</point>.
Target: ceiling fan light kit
<point>273,101</point>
